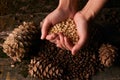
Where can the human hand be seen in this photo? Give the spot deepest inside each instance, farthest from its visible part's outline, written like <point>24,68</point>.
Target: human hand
<point>64,43</point>
<point>82,30</point>
<point>81,21</point>
<point>54,17</point>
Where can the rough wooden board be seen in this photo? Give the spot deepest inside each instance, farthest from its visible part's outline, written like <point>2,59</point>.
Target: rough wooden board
<point>10,73</point>
<point>112,73</point>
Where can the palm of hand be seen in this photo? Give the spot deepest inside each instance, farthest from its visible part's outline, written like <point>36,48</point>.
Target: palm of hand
<point>54,17</point>
<point>60,40</point>
<point>82,30</point>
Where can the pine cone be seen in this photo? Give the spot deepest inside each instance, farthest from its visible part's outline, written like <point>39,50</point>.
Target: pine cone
<point>81,66</point>
<point>42,68</point>
<point>107,54</point>
<point>18,42</point>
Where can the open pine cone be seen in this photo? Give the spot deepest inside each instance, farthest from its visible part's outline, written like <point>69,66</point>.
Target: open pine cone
<point>18,43</point>
<point>107,54</point>
<point>42,68</point>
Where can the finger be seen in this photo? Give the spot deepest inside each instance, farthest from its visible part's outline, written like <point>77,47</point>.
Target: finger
<point>62,41</point>
<point>78,45</point>
<point>68,44</point>
<point>45,28</point>
<point>52,37</point>
<point>58,44</point>
<point>82,32</point>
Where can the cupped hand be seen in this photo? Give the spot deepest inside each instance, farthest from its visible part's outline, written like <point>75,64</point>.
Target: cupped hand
<point>59,39</point>
<point>53,18</point>
<point>82,30</point>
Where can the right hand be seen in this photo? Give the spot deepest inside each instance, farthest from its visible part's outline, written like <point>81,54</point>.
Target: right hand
<point>63,42</point>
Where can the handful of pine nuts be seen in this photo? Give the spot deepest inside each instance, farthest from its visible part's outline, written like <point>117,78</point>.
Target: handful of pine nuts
<point>68,28</point>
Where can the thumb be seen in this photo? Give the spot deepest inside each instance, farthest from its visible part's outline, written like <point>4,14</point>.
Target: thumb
<point>78,45</point>
<point>44,30</point>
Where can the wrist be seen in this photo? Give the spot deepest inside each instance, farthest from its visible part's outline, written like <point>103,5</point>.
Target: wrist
<point>92,8</point>
<point>68,5</point>
<point>88,15</point>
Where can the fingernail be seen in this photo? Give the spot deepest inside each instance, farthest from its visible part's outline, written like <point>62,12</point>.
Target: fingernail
<point>73,53</point>
<point>42,37</point>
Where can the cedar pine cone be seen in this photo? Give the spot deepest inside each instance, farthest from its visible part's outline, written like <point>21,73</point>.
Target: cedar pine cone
<point>18,42</point>
<point>42,68</point>
<point>107,54</point>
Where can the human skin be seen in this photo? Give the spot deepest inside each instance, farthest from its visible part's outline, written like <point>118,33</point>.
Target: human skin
<point>69,9</point>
